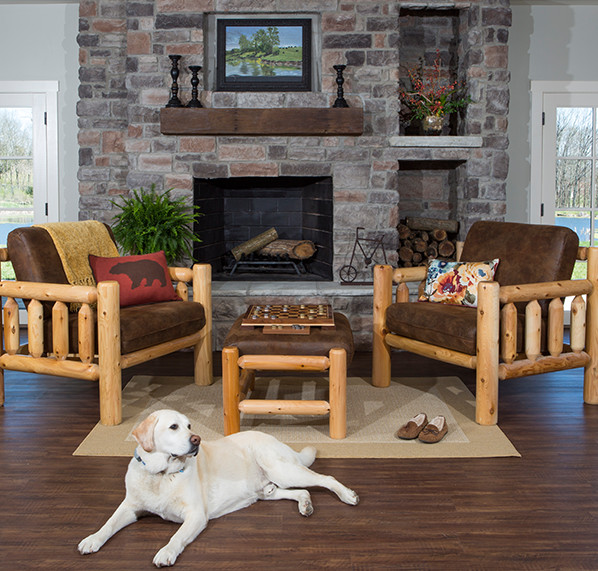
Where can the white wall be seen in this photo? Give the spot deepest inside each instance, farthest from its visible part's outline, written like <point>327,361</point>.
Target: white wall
<point>39,42</point>
<point>551,43</point>
<point>558,43</point>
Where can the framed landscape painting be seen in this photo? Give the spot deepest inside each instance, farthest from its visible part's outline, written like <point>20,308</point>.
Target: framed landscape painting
<point>263,54</point>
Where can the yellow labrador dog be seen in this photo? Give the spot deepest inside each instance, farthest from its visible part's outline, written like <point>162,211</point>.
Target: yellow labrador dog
<point>172,476</point>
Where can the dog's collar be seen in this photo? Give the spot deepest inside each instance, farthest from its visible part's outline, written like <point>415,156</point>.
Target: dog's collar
<point>140,459</point>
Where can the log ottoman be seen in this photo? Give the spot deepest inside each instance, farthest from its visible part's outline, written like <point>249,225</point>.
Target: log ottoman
<point>248,349</point>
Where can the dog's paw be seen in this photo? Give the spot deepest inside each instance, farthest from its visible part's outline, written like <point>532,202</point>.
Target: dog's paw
<point>165,557</point>
<point>350,497</point>
<point>90,544</point>
<point>306,508</point>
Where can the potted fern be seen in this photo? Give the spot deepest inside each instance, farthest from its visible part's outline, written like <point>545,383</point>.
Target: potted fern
<point>149,221</point>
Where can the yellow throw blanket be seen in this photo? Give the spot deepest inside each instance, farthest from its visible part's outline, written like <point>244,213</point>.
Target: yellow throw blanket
<point>74,242</point>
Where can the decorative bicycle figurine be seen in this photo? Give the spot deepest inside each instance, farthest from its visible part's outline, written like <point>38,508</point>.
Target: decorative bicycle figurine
<point>348,273</point>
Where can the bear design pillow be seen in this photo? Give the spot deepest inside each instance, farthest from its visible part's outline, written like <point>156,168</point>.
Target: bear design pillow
<point>142,279</point>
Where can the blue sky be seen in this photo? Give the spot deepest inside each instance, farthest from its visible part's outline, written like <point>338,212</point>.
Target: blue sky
<point>289,35</point>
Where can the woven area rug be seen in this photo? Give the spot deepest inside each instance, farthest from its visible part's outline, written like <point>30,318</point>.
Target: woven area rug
<point>373,417</point>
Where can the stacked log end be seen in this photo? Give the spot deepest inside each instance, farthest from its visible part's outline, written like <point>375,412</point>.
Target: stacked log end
<point>423,239</point>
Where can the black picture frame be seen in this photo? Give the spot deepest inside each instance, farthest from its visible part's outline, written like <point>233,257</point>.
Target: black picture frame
<point>245,65</point>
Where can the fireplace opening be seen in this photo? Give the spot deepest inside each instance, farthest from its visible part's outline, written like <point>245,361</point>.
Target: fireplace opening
<point>236,210</point>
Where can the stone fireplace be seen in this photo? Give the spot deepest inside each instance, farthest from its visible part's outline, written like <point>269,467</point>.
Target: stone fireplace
<point>238,209</point>
<point>376,174</point>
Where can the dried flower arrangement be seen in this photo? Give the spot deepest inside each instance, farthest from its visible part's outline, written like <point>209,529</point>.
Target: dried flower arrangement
<point>430,94</point>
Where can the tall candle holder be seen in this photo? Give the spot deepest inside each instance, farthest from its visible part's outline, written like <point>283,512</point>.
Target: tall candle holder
<point>194,102</point>
<point>174,89</point>
<point>340,99</point>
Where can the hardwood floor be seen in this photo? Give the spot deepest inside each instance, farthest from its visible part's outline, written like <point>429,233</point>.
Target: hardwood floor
<point>535,512</point>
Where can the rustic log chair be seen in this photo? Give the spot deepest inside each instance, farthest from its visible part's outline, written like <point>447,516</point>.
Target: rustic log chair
<point>64,343</point>
<point>515,330</point>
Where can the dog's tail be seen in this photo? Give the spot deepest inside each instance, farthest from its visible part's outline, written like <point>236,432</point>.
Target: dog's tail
<point>307,455</point>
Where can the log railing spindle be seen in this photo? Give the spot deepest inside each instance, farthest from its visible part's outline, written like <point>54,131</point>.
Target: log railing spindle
<point>11,326</point>
<point>402,295</point>
<point>555,327</point>
<point>86,333</point>
<point>182,291</point>
<point>578,324</point>
<point>508,325</point>
<point>35,328</point>
<point>533,325</point>
<point>60,330</point>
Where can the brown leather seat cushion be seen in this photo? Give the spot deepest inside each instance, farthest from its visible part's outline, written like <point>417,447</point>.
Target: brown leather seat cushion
<point>144,326</point>
<point>34,258</point>
<point>252,341</point>
<point>450,326</point>
<point>528,254</point>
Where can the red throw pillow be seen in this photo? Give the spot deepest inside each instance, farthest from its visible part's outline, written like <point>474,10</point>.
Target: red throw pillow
<point>142,279</point>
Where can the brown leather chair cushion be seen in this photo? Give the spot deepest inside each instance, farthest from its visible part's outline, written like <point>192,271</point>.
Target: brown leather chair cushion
<point>34,258</point>
<point>252,341</point>
<point>144,326</point>
<point>528,254</point>
<point>450,326</point>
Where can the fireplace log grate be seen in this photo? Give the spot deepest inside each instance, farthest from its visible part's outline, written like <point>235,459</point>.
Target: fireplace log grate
<point>262,264</point>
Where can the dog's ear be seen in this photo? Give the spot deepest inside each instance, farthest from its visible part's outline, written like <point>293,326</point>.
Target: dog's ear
<point>144,433</point>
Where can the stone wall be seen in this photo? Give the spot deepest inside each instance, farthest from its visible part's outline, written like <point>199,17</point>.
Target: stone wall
<point>125,81</point>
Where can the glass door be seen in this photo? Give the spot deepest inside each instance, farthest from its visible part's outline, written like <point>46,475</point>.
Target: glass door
<point>569,165</point>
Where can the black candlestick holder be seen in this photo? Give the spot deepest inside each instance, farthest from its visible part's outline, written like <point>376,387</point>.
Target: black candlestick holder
<point>174,89</point>
<point>340,100</point>
<point>194,102</point>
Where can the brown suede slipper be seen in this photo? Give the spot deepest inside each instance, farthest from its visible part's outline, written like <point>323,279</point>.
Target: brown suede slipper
<point>413,427</point>
<point>434,430</point>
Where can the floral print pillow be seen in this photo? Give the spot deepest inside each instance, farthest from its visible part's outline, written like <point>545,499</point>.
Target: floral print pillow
<point>457,282</point>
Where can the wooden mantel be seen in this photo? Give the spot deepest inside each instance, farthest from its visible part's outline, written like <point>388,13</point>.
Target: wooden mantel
<point>275,121</point>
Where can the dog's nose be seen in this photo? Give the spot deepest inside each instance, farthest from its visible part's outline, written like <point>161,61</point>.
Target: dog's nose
<point>195,440</point>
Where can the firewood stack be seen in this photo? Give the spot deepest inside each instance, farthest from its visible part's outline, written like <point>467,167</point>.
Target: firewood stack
<point>423,239</point>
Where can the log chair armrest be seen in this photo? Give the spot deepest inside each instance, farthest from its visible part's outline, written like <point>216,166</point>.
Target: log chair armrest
<point>406,275</point>
<point>544,290</point>
<point>48,291</point>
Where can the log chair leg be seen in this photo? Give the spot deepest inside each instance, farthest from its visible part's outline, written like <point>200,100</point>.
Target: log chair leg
<point>230,390</point>
<point>202,361</point>
<point>488,326</point>
<point>590,385</point>
<point>202,352</point>
<point>1,387</point>
<point>338,393</point>
<point>380,350</point>
<point>109,353</point>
